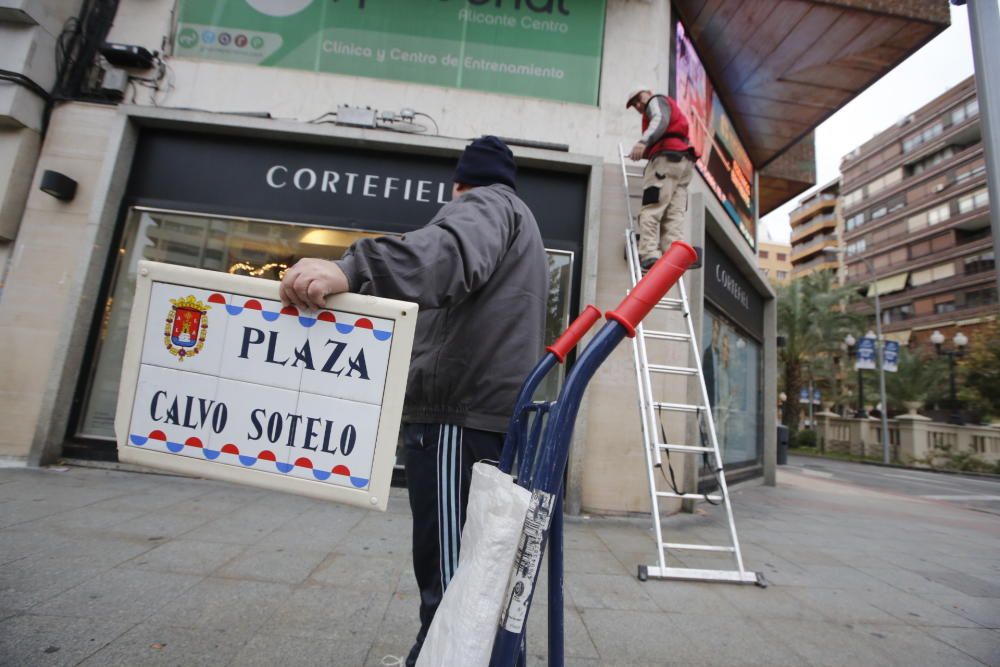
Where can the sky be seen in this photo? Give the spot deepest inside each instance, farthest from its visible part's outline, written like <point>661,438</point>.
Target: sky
<point>940,64</point>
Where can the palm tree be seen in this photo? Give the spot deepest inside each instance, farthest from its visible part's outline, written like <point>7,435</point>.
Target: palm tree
<point>813,320</point>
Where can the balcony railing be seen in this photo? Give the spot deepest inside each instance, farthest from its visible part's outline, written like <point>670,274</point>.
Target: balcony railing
<point>813,203</point>
<point>800,251</point>
<point>813,225</point>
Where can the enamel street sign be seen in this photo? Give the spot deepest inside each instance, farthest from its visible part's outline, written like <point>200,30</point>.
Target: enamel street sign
<point>221,381</point>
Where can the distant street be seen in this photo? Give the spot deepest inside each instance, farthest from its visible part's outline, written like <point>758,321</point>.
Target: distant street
<point>967,491</point>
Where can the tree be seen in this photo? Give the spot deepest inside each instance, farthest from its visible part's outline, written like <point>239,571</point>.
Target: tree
<point>980,370</point>
<point>920,378</point>
<point>813,319</point>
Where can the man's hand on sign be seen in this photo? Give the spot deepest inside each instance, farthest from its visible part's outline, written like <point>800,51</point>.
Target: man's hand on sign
<point>637,151</point>
<point>310,281</point>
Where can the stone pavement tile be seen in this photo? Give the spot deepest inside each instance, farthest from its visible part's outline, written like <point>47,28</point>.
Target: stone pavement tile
<point>911,582</point>
<point>186,557</point>
<point>685,597</point>
<point>607,591</point>
<point>579,534</point>
<point>264,650</point>
<point>407,582</point>
<point>219,501</point>
<point>123,594</point>
<point>629,637</point>
<point>907,646</point>
<point>23,512</point>
<point>624,538</point>
<point>361,573</point>
<point>30,581</point>
<point>17,543</point>
<point>402,619</point>
<point>329,524</point>
<point>771,602</point>
<point>262,562</point>
<point>982,644</point>
<point>917,611</point>
<point>151,645</point>
<point>964,583</point>
<point>541,660</point>
<point>38,640</point>
<point>576,640</point>
<point>238,528</point>
<point>156,526</point>
<point>83,520</point>
<point>224,604</point>
<point>378,535</point>
<point>830,577</point>
<point>831,645</point>
<point>313,611</point>
<point>592,562</point>
<point>984,611</point>
<point>843,606</point>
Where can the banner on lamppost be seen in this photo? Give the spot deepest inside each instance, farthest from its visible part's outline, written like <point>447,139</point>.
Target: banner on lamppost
<point>866,355</point>
<point>890,356</point>
<point>804,396</point>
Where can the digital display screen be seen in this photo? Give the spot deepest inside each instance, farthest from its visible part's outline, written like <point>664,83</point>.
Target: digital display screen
<point>724,162</point>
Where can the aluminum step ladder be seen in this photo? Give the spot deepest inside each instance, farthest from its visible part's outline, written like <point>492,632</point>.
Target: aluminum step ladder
<point>654,435</point>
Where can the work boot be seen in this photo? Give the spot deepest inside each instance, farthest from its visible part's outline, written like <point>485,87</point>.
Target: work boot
<point>646,264</point>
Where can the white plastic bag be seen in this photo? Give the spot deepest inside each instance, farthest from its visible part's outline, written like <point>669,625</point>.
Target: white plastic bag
<point>466,620</point>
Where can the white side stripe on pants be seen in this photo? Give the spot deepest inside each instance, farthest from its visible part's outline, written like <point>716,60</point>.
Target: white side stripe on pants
<point>449,459</point>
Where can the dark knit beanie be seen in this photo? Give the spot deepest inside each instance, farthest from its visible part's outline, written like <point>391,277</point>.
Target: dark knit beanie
<point>486,161</point>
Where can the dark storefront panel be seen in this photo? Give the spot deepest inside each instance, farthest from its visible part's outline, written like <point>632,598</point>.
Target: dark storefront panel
<point>330,186</point>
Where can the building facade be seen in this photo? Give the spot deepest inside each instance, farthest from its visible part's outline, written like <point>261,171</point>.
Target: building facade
<point>816,226</point>
<point>263,132</point>
<point>774,261</point>
<point>916,218</point>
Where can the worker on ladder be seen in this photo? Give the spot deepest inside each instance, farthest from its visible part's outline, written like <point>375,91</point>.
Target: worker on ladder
<point>666,144</point>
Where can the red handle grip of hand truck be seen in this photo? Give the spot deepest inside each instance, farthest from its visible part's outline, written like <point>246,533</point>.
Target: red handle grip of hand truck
<point>648,292</point>
<point>569,338</point>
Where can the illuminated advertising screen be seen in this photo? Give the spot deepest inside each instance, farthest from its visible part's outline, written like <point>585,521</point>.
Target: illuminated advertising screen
<point>724,162</point>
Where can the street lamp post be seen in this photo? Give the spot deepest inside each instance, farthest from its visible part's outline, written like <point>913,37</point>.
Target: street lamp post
<point>879,345</point>
<point>849,341</point>
<point>960,341</point>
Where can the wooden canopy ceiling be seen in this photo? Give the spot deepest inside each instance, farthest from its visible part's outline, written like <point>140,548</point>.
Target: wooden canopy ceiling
<point>782,67</point>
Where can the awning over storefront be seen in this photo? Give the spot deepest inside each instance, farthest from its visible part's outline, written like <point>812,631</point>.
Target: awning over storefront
<point>901,337</point>
<point>889,285</point>
<point>782,67</point>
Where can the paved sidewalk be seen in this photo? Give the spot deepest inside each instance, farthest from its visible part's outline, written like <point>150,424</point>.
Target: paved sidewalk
<point>114,568</point>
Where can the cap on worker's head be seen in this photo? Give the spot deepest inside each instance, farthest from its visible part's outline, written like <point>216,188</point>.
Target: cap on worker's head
<point>486,161</point>
<point>634,93</point>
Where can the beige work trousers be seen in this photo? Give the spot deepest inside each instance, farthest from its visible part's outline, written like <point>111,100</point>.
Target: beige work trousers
<point>664,203</point>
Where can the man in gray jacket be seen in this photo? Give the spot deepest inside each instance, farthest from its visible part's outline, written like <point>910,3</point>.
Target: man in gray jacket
<point>479,273</point>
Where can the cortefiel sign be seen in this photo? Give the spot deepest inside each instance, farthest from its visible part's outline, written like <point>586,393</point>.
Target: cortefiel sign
<point>540,48</point>
<point>221,381</point>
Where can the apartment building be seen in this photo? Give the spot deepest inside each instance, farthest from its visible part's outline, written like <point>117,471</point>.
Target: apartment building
<point>916,216</point>
<point>774,261</point>
<point>816,225</point>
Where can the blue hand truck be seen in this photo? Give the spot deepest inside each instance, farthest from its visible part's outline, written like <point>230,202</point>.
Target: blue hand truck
<point>538,437</point>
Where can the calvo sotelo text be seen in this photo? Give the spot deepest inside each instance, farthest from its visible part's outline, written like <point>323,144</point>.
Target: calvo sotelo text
<point>243,381</point>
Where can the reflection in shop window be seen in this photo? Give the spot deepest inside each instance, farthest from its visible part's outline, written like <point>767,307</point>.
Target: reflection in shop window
<point>241,247</point>
<point>731,363</point>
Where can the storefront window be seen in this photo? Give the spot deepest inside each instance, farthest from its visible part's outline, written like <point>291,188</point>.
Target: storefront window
<point>732,365</point>
<point>237,246</point>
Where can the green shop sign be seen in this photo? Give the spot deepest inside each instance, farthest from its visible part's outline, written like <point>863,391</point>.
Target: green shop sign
<point>538,48</point>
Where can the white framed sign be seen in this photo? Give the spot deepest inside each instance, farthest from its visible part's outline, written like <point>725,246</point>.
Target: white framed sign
<point>221,381</point>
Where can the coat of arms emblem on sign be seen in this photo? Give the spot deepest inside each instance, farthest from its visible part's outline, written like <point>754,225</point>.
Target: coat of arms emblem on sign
<point>186,327</point>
